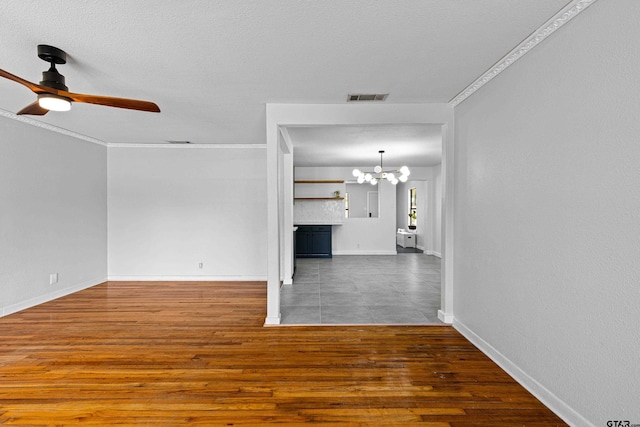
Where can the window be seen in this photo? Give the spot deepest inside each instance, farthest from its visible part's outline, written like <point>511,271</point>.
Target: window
<point>413,208</point>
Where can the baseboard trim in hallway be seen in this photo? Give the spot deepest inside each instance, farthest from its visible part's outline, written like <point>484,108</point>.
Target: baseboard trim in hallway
<point>445,317</point>
<point>550,400</point>
<point>50,296</point>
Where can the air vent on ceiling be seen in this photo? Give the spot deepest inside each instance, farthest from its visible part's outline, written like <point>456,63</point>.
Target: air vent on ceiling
<point>179,142</point>
<point>359,97</point>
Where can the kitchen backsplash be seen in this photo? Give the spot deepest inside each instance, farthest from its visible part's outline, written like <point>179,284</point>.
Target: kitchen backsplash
<point>318,212</point>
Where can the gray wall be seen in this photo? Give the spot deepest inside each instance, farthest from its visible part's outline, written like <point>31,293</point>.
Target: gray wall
<point>172,208</point>
<point>53,214</point>
<point>547,216</point>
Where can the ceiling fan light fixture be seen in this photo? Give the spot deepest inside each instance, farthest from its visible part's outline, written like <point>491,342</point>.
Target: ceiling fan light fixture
<point>52,102</point>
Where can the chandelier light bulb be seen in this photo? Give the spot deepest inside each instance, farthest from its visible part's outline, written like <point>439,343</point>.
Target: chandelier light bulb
<point>400,175</point>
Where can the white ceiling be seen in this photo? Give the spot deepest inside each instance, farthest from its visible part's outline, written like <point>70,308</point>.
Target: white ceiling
<point>410,145</point>
<point>212,66</point>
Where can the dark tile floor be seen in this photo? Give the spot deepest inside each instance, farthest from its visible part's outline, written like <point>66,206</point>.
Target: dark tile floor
<point>351,289</point>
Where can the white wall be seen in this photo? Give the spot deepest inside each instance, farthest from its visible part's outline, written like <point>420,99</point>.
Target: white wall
<point>547,217</point>
<point>172,208</point>
<point>360,236</point>
<point>53,215</point>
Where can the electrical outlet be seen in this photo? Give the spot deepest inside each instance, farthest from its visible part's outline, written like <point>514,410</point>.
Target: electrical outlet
<point>53,278</point>
<point>200,265</point>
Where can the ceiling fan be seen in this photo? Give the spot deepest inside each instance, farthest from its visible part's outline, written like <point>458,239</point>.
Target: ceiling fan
<point>54,95</point>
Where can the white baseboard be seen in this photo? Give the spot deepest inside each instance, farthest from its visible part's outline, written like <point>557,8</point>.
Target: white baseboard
<point>558,406</point>
<point>363,252</point>
<point>187,278</point>
<point>445,317</point>
<point>428,252</point>
<point>272,321</point>
<point>50,296</point>
<point>288,281</point>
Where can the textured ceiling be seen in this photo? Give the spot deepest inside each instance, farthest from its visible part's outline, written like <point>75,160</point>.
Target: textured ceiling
<point>411,145</point>
<point>212,65</point>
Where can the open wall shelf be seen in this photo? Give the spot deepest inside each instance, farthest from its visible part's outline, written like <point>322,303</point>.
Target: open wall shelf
<point>318,181</point>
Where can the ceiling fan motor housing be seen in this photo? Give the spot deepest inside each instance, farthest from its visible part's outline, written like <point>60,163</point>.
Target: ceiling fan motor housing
<point>52,78</point>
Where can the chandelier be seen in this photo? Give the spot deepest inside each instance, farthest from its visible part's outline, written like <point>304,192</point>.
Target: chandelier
<point>379,173</point>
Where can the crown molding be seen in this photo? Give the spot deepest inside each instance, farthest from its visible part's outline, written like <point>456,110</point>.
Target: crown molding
<point>52,128</point>
<point>551,26</point>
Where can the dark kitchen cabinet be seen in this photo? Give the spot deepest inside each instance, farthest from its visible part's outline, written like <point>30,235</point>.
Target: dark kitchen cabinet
<point>313,241</point>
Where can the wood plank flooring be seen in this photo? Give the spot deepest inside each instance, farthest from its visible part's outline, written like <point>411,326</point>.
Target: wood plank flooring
<point>196,353</point>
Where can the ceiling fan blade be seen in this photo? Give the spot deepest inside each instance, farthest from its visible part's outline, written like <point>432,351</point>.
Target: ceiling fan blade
<point>33,109</point>
<point>131,104</point>
<point>32,86</point>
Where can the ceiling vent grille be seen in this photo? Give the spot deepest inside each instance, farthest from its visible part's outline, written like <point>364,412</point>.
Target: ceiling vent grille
<point>364,97</point>
<point>179,142</point>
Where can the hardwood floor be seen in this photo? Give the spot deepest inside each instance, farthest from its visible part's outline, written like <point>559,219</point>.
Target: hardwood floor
<point>196,353</point>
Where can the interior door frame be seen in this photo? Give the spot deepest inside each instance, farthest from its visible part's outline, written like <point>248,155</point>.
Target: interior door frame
<point>279,219</point>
